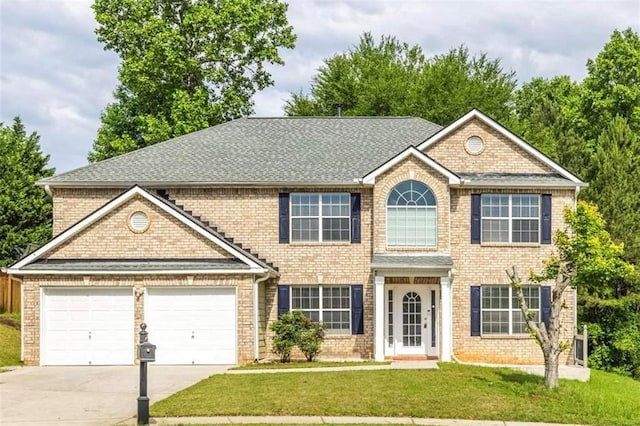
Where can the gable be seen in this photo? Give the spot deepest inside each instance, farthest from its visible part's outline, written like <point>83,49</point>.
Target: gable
<point>180,237</point>
<point>112,237</point>
<point>498,154</point>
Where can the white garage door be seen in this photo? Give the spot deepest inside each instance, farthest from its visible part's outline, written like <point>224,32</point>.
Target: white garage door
<point>88,326</point>
<point>192,325</point>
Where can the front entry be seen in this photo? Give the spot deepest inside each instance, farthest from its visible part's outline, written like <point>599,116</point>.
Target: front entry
<point>411,320</point>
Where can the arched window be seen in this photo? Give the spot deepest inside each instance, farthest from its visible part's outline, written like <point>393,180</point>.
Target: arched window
<point>411,215</point>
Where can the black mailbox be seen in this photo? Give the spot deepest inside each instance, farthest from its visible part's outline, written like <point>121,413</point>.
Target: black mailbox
<point>146,352</point>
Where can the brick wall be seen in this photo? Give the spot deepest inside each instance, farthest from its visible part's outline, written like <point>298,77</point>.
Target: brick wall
<point>499,155</point>
<point>484,264</point>
<point>410,169</point>
<point>111,237</point>
<point>72,204</point>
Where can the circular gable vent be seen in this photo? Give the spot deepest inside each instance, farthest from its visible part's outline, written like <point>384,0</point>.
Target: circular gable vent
<point>474,145</point>
<point>138,221</point>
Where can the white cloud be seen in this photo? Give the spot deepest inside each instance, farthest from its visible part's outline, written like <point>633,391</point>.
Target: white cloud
<point>57,77</point>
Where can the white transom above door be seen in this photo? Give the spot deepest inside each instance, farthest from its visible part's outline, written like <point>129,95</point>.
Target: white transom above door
<point>411,320</point>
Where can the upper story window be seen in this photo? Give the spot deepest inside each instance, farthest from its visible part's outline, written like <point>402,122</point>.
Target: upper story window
<point>411,215</point>
<point>320,217</point>
<point>510,218</point>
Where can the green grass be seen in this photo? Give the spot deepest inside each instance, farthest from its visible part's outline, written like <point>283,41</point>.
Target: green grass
<point>305,364</point>
<point>9,340</point>
<point>454,391</point>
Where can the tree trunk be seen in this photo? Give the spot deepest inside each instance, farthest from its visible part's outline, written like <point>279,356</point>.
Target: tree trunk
<point>551,369</point>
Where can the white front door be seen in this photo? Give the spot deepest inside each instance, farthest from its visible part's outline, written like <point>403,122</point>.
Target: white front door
<point>87,326</point>
<point>411,320</point>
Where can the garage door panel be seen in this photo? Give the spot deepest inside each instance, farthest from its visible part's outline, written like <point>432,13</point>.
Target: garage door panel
<point>192,325</point>
<point>88,326</point>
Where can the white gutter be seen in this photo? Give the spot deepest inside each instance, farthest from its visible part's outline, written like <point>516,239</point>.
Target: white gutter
<point>256,318</point>
<point>140,272</point>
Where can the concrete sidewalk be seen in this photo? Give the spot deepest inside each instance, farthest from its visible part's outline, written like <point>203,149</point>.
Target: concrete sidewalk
<point>302,420</point>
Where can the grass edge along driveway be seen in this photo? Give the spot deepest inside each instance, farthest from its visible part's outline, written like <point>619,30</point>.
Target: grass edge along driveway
<point>454,391</point>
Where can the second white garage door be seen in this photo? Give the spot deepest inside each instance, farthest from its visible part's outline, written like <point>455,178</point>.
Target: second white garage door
<point>192,325</point>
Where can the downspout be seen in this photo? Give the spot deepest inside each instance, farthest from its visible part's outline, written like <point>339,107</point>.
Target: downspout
<point>256,333</point>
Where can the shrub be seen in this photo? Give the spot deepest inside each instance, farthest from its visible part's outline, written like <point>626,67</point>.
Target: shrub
<point>294,329</point>
<point>310,340</point>
<point>287,331</point>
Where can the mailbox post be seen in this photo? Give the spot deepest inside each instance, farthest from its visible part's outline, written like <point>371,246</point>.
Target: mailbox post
<point>146,353</point>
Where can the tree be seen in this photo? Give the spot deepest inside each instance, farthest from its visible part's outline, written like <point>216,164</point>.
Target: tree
<point>371,79</point>
<point>392,78</point>
<point>614,184</point>
<point>612,85</point>
<point>585,258</point>
<point>186,65</point>
<point>25,209</point>
<point>547,115</point>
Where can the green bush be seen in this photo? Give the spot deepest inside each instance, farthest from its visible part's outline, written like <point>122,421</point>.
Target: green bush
<point>294,329</point>
<point>310,340</point>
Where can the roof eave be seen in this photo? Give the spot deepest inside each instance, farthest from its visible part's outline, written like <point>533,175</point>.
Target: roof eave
<point>137,271</point>
<point>568,185</point>
<point>177,184</point>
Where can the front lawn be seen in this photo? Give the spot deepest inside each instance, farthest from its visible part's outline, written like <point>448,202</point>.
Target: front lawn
<point>454,391</point>
<point>9,340</point>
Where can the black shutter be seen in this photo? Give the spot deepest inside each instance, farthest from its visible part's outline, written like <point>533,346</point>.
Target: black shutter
<point>355,217</point>
<point>546,219</point>
<point>475,310</point>
<point>545,305</point>
<point>357,311</point>
<point>475,218</point>
<point>283,200</point>
<point>283,300</point>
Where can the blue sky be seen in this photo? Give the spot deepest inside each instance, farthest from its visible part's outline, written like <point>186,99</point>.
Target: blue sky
<point>56,76</point>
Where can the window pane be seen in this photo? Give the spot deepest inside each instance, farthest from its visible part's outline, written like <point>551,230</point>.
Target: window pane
<point>495,297</point>
<point>337,321</point>
<point>495,230</point>
<point>411,226</point>
<point>335,229</point>
<point>304,229</point>
<point>519,326</point>
<point>525,230</point>
<point>495,205</point>
<point>495,322</point>
<point>411,193</point>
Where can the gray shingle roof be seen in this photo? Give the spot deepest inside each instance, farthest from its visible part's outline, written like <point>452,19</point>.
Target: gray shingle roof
<point>517,179</point>
<point>401,261</point>
<point>260,150</point>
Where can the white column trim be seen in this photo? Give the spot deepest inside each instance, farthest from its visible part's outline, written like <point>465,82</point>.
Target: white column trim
<point>379,318</point>
<point>447,319</point>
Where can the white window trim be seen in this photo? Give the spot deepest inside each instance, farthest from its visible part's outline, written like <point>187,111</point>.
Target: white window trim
<point>347,331</point>
<point>511,309</point>
<point>386,219</point>
<point>319,217</point>
<point>510,218</point>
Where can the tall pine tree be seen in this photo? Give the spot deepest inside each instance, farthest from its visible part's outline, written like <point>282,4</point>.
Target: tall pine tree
<point>25,209</point>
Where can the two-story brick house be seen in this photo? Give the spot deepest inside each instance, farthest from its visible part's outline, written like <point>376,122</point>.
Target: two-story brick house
<point>392,231</point>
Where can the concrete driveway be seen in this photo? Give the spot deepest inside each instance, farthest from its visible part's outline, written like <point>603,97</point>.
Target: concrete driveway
<point>87,395</point>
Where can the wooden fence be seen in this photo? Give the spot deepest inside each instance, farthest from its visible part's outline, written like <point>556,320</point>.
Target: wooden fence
<point>9,294</point>
<point>581,345</point>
